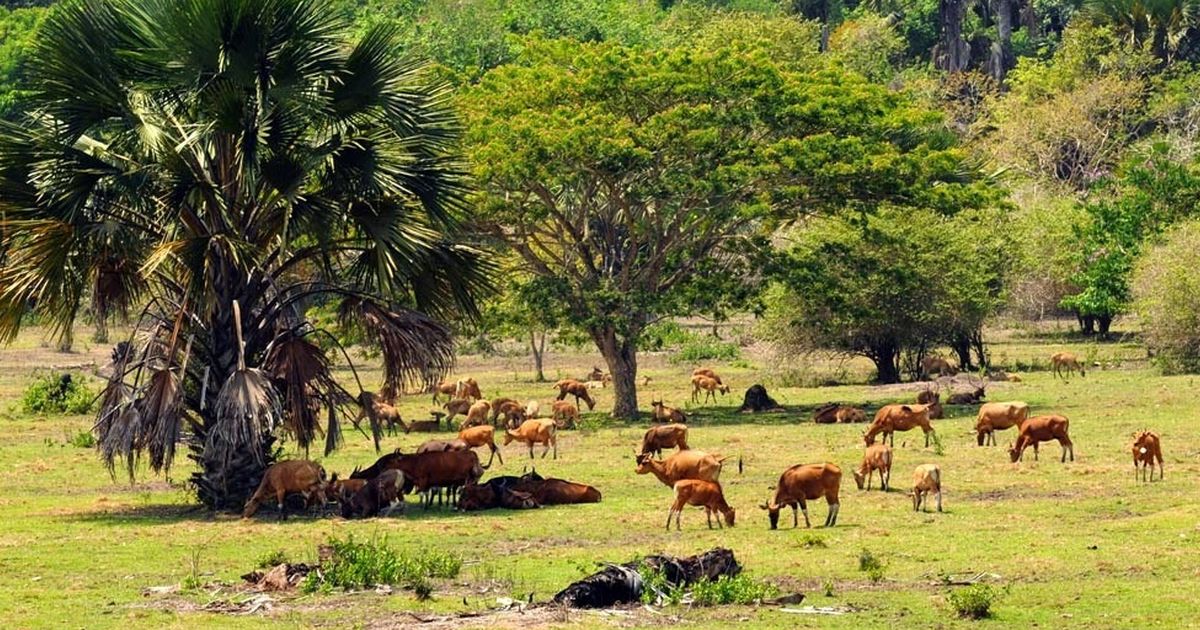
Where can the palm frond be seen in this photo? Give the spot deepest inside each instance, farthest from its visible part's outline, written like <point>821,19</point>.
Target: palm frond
<point>416,349</point>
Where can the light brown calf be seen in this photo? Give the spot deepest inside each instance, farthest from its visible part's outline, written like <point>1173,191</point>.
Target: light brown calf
<point>535,432</point>
<point>1146,449</point>
<point>802,483</point>
<point>1042,429</point>
<point>706,494</point>
<point>926,478</point>
<point>877,457</point>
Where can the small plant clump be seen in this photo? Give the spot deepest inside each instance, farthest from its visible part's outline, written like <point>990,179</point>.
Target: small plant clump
<point>359,565</point>
<point>57,393</point>
<point>83,439</point>
<point>727,590</point>
<point>974,601</point>
<point>872,566</point>
<point>272,559</point>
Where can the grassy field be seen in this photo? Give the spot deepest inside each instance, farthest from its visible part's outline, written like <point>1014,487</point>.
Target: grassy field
<point>1073,545</point>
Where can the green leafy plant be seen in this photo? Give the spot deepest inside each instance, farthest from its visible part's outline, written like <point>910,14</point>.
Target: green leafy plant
<point>706,348</point>
<point>272,559</point>
<point>56,392</point>
<point>83,439</point>
<point>358,565</point>
<point>811,541</point>
<point>656,585</point>
<point>974,601</point>
<point>871,565</point>
<point>725,590</point>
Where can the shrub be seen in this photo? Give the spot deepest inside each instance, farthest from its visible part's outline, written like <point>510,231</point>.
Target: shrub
<point>974,601</point>
<point>83,439</point>
<point>272,559</point>
<point>873,566</point>
<point>812,540</point>
<point>358,565</point>
<point>1167,297</point>
<point>726,590</point>
<point>662,336</point>
<point>706,348</point>
<point>55,392</point>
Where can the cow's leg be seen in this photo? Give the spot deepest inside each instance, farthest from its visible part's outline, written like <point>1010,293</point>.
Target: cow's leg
<point>795,516</point>
<point>670,513</point>
<point>831,519</point>
<point>939,498</point>
<point>531,450</point>
<point>804,508</point>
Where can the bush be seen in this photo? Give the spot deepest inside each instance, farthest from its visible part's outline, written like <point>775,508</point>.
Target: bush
<point>974,601</point>
<point>731,590</point>
<point>706,348</point>
<point>873,566</point>
<point>83,439</point>
<point>663,336</point>
<point>358,565</point>
<point>57,393</point>
<point>272,559</point>
<point>1167,297</point>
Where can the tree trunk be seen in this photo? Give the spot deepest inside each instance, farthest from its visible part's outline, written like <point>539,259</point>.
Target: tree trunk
<point>621,357</point>
<point>951,54</point>
<point>824,35</point>
<point>962,347</point>
<point>1001,51</point>
<point>981,357</point>
<point>67,339</point>
<point>887,369</point>
<point>538,348</point>
<point>1104,322</point>
<point>1087,324</point>
<point>101,334</point>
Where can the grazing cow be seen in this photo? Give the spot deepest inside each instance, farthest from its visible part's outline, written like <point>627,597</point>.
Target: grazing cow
<point>689,464</point>
<point>464,388</point>
<point>456,407</point>
<point>387,415</point>
<point>513,412</point>
<point>474,437</point>
<point>341,490</point>
<point>477,415</point>
<point>926,478</point>
<point>1042,429</point>
<point>706,494</point>
<point>564,414</point>
<point>283,478</point>
<point>1147,449</point>
<point>709,372</point>
<point>1065,361</point>
<point>892,418</point>
<point>710,386</point>
<point>805,482</point>
<point>664,436</point>
<point>998,416</point>
<point>937,365</point>
<point>577,389</point>
<point>876,457</point>
<point>663,413</point>
<point>535,432</point>
<point>382,493</point>
<point>496,404</point>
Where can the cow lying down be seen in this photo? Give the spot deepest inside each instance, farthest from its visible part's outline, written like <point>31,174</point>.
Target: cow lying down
<point>525,492</point>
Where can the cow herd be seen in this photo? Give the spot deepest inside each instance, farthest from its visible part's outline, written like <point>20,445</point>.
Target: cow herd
<point>450,471</point>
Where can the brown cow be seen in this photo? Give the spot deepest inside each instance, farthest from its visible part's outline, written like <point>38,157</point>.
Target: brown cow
<point>463,388</point>
<point>557,491</point>
<point>709,372</point>
<point>1042,429</point>
<point>532,432</point>
<point>456,407</point>
<point>340,490</point>
<point>926,478</point>
<point>429,471</point>
<point>387,415</point>
<point>998,416</point>
<point>440,446</point>
<point>710,386</point>
<point>564,414</point>
<point>1060,361</point>
<point>805,482</point>
<point>1147,449</point>
<point>876,457</point>
<point>892,418</point>
<point>663,413</point>
<point>475,437</point>
<point>664,436</point>
<point>689,464</point>
<point>706,494</point>
<point>937,365</point>
<point>382,493</point>
<point>513,412</point>
<point>577,389</point>
<point>282,478</point>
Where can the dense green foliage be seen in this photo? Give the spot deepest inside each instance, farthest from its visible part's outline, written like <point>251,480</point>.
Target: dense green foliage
<point>358,565</point>
<point>53,392</point>
<point>1167,291</point>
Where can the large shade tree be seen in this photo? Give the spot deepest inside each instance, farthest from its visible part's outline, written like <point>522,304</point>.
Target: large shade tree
<point>628,178</point>
<point>221,165</point>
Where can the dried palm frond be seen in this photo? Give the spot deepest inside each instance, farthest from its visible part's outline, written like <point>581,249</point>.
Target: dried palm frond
<point>161,408</point>
<point>302,370</point>
<point>416,349</point>
<point>247,406</point>
<point>121,437</point>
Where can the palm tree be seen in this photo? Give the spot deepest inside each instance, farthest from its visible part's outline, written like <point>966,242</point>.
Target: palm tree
<point>226,164</point>
<point>1166,25</point>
